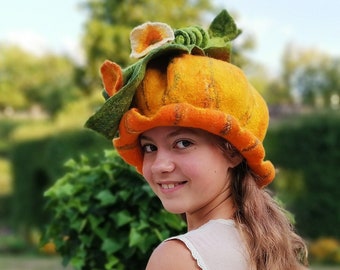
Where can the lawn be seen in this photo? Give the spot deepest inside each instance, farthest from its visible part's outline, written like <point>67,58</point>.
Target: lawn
<point>31,263</point>
<point>325,267</point>
<point>54,263</point>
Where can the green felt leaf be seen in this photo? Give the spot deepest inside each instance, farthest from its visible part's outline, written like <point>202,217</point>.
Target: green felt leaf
<point>223,26</point>
<point>222,53</point>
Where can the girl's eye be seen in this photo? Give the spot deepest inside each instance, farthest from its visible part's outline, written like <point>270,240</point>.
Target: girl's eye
<point>148,148</point>
<point>183,144</point>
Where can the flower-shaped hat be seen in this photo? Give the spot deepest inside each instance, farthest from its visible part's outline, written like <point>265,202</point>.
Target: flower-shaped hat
<point>183,78</point>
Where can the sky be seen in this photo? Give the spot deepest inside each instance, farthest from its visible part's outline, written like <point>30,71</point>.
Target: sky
<point>57,26</point>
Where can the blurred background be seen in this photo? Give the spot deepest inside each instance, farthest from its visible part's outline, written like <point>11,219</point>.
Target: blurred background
<point>50,54</point>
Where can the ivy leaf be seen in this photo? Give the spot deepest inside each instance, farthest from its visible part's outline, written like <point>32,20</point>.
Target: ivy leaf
<point>113,263</point>
<point>135,238</point>
<point>110,246</point>
<point>106,198</point>
<point>122,218</point>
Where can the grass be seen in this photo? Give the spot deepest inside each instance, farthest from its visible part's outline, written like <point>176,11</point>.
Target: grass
<point>316,267</point>
<point>12,262</point>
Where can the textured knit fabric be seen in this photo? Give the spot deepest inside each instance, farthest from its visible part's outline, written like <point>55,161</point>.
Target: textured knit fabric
<point>216,245</point>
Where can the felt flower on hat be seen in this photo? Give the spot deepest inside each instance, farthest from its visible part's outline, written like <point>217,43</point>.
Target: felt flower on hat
<point>112,77</point>
<point>149,36</point>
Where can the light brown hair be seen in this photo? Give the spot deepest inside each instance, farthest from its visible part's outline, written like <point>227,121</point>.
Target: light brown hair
<point>270,238</point>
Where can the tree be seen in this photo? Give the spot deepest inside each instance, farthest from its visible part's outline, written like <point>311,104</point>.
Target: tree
<point>311,77</point>
<point>27,79</point>
<point>110,22</point>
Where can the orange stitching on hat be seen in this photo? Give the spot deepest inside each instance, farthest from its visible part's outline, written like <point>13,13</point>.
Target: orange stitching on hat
<point>227,126</point>
<point>244,119</point>
<point>212,85</point>
<point>249,111</point>
<point>129,127</point>
<point>126,147</point>
<point>174,87</point>
<point>178,114</point>
<point>251,147</point>
<point>142,89</point>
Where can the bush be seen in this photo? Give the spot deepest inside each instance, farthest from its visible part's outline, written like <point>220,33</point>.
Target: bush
<point>10,243</point>
<point>306,152</point>
<point>106,216</point>
<point>325,250</point>
<point>37,164</point>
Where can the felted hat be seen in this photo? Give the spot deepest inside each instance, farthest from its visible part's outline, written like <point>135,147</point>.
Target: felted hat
<point>184,78</point>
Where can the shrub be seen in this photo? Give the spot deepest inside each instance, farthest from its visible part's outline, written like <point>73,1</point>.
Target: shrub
<point>37,164</point>
<point>306,152</point>
<point>106,216</point>
<point>325,250</point>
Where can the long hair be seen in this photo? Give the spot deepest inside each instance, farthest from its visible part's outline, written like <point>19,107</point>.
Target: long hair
<point>269,235</point>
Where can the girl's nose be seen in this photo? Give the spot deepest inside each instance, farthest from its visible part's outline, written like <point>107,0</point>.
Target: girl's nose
<point>162,163</point>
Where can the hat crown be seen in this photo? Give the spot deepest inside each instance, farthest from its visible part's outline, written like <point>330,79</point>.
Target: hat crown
<point>204,83</point>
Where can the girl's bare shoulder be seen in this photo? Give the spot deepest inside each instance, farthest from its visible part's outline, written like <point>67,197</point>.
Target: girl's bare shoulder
<point>171,255</point>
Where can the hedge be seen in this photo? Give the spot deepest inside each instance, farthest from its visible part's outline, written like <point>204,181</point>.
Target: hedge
<point>37,164</point>
<point>306,151</point>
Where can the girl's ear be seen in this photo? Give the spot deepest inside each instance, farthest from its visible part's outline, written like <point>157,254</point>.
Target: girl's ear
<point>235,159</point>
<point>232,154</point>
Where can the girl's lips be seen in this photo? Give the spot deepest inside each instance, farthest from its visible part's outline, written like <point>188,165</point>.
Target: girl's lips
<point>170,187</point>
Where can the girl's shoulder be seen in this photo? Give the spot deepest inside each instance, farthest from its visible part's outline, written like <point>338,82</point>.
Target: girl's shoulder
<point>172,254</point>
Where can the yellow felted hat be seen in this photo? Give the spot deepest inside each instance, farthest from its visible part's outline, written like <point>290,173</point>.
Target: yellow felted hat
<point>184,83</point>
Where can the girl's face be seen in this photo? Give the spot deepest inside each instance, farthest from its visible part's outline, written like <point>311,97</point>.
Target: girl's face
<point>186,168</point>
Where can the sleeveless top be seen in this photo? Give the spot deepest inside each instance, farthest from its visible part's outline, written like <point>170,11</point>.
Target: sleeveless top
<point>216,245</point>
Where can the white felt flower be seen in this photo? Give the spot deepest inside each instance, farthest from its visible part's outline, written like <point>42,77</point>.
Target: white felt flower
<point>149,36</point>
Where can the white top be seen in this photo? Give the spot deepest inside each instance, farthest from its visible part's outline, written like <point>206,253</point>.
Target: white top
<point>216,245</point>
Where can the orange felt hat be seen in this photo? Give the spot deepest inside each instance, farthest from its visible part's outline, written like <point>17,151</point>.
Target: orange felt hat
<point>187,88</point>
<point>198,92</point>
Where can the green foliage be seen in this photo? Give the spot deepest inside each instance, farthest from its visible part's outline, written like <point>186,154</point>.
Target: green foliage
<point>12,244</point>
<point>312,77</point>
<point>106,216</point>
<point>37,163</point>
<point>306,152</point>
<point>27,79</point>
<point>7,126</point>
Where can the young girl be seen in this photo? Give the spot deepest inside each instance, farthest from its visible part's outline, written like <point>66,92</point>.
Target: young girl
<point>191,123</point>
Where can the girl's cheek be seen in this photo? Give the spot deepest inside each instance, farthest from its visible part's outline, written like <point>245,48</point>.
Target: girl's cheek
<point>146,171</point>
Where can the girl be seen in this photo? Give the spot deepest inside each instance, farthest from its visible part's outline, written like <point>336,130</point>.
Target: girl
<point>191,123</point>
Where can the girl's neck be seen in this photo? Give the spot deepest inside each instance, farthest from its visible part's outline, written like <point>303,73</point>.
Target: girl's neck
<point>223,210</point>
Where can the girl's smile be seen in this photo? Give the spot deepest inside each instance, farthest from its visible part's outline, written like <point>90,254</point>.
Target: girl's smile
<point>187,169</point>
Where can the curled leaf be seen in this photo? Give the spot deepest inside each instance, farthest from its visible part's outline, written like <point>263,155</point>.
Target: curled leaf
<point>193,35</point>
<point>149,36</point>
<point>112,76</point>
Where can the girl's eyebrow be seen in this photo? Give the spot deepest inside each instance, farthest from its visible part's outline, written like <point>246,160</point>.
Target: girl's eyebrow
<point>143,137</point>
<point>181,131</point>
<point>174,133</point>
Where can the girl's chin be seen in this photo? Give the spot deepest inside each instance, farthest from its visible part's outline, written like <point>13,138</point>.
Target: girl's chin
<point>174,210</point>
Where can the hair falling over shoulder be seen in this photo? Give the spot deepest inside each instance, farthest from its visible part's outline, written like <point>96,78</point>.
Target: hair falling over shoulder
<point>270,237</point>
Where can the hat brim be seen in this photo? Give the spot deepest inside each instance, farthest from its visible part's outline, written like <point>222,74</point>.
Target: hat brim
<point>185,115</point>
